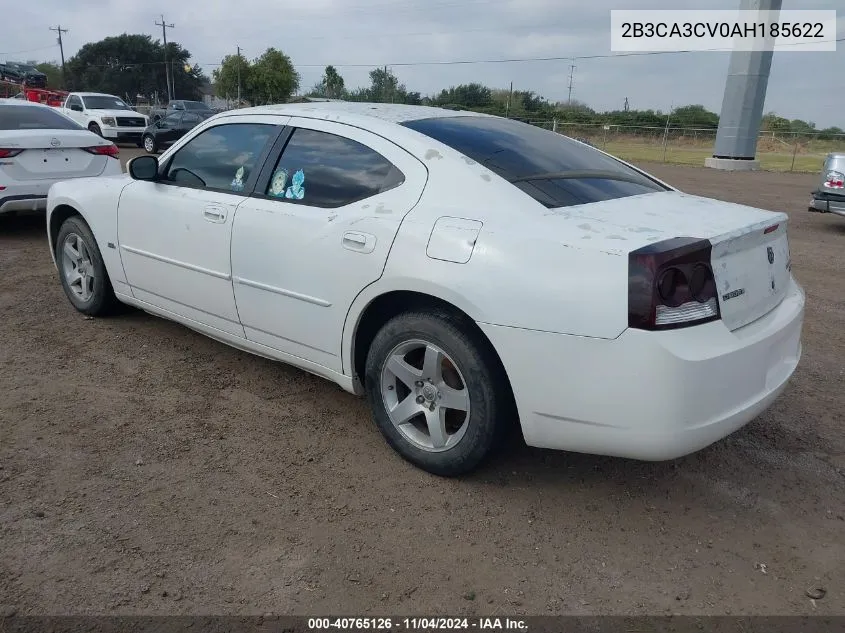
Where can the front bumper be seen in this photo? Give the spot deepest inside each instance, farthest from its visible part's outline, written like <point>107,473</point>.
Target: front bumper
<point>124,134</point>
<point>824,202</point>
<point>649,395</point>
<point>13,204</point>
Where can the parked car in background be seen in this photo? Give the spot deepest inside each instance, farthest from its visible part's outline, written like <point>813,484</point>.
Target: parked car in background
<point>164,132</point>
<point>23,73</point>
<point>40,146</point>
<point>106,115</point>
<point>180,105</point>
<point>465,272</point>
<point>829,197</point>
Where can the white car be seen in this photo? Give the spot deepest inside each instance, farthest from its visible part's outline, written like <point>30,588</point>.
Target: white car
<point>109,116</point>
<point>466,272</point>
<point>38,147</point>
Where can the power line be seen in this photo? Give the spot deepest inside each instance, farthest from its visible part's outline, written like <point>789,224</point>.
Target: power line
<point>29,50</point>
<point>512,60</point>
<point>58,29</point>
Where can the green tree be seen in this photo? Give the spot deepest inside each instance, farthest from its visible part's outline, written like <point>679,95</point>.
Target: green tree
<point>272,78</point>
<point>694,116</point>
<point>774,123</point>
<point>472,95</point>
<point>53,72</point>
<point>226,76</point>
<point>130,65</point>
<point>331,86</point>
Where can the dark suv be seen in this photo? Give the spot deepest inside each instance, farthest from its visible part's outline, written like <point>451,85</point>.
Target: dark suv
<point>23,73</point>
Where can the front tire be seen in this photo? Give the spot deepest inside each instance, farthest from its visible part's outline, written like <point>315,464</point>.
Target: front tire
<point>437,392</point>
<point>82,271</point>
<point>95,129</point>
<point>150,145</point>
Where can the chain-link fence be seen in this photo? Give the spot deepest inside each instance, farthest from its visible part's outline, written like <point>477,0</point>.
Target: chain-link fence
<point>776,151</point>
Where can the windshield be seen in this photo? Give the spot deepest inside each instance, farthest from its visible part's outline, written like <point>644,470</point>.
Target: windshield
<point>195,105</point>
<point>24,117</point>
<point>104,102</point>
<point>551,168</point>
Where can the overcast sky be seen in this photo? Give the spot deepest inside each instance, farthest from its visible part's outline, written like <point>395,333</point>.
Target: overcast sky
<point>342,32</point>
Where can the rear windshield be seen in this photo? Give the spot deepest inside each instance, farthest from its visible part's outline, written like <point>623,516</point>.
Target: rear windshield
<point>24,117</point>
<point>195,105</point>
<point>516,150</point>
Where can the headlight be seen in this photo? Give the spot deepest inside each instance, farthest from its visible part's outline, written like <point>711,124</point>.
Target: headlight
<point>109,121</point>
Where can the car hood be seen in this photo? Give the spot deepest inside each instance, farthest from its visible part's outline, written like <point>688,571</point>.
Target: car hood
<point>115,113</point>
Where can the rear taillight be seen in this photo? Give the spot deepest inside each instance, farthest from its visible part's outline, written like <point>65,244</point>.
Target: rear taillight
<point>671,285</point>
<point>8,153</point>
<point>104,150</point>
<point>833,180</point>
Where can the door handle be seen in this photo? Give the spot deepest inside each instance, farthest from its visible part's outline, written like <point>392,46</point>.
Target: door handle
<point>360,242</point>
<point>214,214</point>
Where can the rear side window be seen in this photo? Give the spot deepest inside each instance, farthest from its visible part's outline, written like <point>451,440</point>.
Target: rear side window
<point>22,117</point>
<point>320,169</point>
<point>222,157</point>
<point>515,151</point>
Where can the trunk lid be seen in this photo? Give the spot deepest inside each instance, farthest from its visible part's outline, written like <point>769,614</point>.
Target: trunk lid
<point>750,248</point>
<point>51,154</point>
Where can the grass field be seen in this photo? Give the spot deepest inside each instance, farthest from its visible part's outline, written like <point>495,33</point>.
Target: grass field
<point>770,161</point>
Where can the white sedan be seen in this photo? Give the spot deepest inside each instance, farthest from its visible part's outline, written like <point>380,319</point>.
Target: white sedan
<point>40,146</point>
<point>465,272</point>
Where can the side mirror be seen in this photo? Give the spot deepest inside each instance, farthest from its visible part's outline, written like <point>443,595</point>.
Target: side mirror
<point>143,168</point>
<point>76,107</point>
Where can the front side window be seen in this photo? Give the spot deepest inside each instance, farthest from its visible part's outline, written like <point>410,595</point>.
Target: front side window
<point>171,120</point>
<point>325,170</point>
<point>551,168</point>
<point>24,117</point>
<point>221,157</point>
<point>105,102</point>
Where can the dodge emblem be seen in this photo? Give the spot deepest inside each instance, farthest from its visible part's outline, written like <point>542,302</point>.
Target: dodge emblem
<point>771,253</point>
<point>55,142</point>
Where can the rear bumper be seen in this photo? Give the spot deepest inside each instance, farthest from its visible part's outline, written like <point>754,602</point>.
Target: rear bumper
<point>11,204</point>
<point>649,395</point>
<point>824,202</point>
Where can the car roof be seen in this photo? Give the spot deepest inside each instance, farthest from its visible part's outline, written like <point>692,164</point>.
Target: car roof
<point>94,94</point>
<point>390,112</point>
<point>24,102</point>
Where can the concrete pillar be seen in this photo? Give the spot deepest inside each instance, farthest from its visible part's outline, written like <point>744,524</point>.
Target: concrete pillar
<point>742,104</point>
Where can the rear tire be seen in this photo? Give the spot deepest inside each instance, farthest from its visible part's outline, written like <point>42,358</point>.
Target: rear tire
<point>95,129</point>
<point>150,145</point>
<point>81,269</point>
<point>437,392</point>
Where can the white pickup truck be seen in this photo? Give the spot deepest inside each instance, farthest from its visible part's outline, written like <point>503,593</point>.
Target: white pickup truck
<point>106,115</point>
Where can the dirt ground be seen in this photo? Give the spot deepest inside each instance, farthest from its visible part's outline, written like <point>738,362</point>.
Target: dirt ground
<point>147,469</point>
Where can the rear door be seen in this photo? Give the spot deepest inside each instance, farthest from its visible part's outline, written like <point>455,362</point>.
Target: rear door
<point>316,232</point>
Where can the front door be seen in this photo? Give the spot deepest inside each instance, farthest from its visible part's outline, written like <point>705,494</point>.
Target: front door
<point>316,232</point>
<point>175,233</point>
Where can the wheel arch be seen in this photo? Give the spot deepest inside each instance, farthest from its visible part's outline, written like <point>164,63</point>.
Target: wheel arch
<point>57,217</point>
<point>379,308</point>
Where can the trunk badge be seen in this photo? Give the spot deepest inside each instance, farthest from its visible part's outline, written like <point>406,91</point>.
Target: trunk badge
<point>55,142</point>
<point>771,253</point>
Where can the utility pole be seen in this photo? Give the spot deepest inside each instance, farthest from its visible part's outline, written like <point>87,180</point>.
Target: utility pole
<point>164,26</point>
<point>571,72</point>
<point>239,77</point>
<point>58,29</point>
<point>508,104</point>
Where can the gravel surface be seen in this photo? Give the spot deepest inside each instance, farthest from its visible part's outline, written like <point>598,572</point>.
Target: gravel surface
<point>147,469</point>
